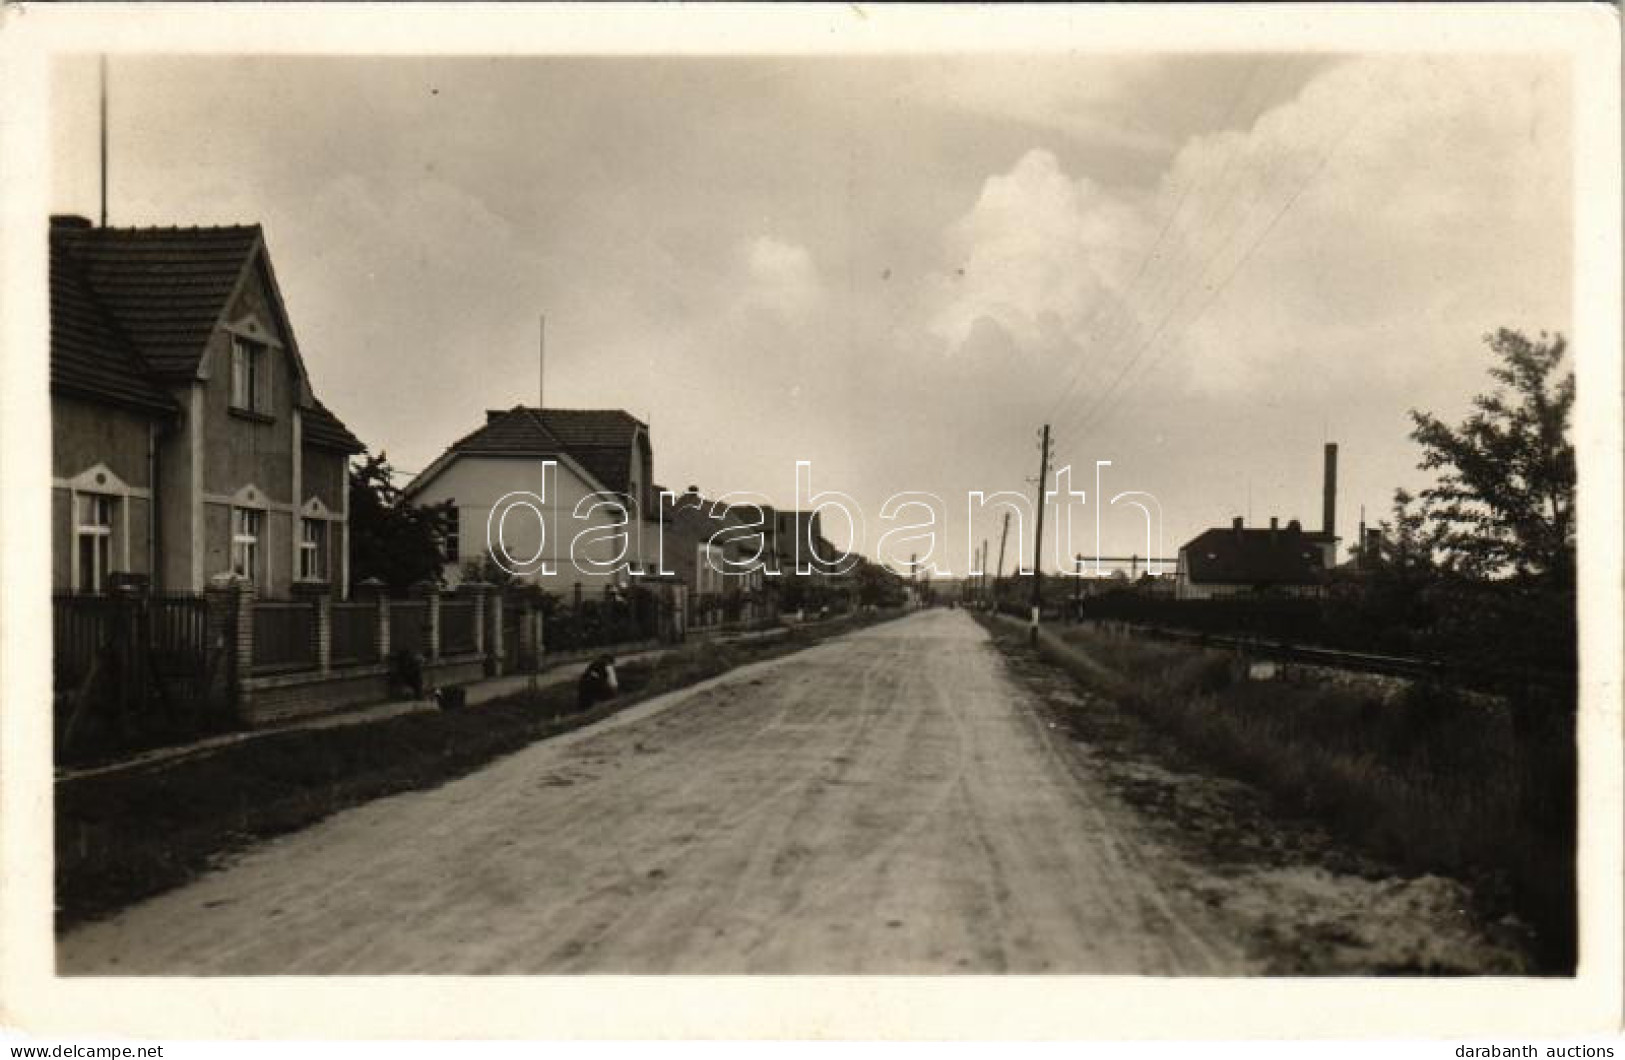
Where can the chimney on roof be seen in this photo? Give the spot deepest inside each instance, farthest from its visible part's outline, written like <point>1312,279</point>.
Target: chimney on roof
<point>1236,524</point>
<point>1328,517</point>
<point>69,220</point>
<point>1275,529</point>
<point>1294,526</point>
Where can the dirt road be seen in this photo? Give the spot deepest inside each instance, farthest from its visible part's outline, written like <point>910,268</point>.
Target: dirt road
<point>886,802</point>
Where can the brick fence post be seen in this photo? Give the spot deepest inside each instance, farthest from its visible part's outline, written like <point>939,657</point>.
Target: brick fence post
<point>320,600</point>
<point>373,589</point>
<point>429,592</point>
<point>478,592</point>
<point>231,631</point>
<point>323,630</point>
<point>494,604</point>
<point>235,597</point>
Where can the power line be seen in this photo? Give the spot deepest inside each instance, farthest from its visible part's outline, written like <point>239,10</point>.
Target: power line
<point>1268,170</point>
<point>1325,158</point>
<point>1151,253</point>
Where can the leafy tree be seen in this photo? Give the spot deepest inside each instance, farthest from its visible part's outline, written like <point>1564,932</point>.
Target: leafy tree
<point>1409,543</point>
<point>394,541</point>
<point>1504,502</point>
<point>487,569</point>
<point>878,585</point>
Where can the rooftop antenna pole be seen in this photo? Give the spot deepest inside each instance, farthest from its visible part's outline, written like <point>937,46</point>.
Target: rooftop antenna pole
<point>103,93</point>
<point>541,368</point>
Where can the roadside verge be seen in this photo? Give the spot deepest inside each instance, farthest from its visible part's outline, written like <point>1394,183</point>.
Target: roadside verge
<point>1347,831</point>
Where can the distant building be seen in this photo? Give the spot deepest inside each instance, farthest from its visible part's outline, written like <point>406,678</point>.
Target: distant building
<point>1245,561</point>
<point>1279,561</point>
<point>186,440</point>
<point>598,455</point>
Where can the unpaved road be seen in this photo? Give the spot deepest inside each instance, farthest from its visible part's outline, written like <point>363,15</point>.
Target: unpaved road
<point>889,801</point>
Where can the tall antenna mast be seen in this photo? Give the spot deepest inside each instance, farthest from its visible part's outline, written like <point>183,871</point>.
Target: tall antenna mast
<point>541,373</point>
<point>103,92</point>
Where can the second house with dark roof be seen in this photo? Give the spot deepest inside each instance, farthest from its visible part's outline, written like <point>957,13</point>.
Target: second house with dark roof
<point>186,439</point>
<point>563,494</point>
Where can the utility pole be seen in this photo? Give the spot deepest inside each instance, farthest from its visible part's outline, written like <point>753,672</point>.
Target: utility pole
<point>103,91</point>
<point>999,574</point>
<point>1038,538</point>
<point>541,368</point>
<point>1077,586</point>
<point>981,597</point>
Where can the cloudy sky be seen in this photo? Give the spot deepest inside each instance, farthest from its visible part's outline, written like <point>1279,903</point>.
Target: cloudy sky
<point>1198,268</point>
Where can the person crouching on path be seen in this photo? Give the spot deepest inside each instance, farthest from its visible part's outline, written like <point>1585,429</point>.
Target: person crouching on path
<point>597,683</point>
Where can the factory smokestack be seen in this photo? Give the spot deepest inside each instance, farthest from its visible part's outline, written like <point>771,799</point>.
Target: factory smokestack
<point>1328,516</point>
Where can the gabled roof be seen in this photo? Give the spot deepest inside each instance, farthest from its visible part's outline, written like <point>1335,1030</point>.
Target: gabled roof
<point>1253,556</point>
<point>323,429</point>
<point>515,432</point>
<point>90,356</point>
<point>160,292</point>
<point>167,287</point>
<point>599,440</point>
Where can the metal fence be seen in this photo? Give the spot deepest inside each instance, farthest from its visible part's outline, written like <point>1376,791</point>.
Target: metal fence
<point>284,636</point>
<point>355,633</point>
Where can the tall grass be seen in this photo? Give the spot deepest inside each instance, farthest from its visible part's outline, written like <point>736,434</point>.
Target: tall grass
<point>1429,779</point>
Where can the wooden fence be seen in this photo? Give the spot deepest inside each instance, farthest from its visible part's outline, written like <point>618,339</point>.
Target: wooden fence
<point>284,636</point>
<point>132,668</point>
<point>355,633</point>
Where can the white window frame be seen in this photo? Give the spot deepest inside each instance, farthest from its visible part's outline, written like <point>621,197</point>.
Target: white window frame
<point>314,536</point>
<point>249,381</point>
<point>247,531</point>
<point>451,541</point>
<point>102,505</point>
<point>707,578</point>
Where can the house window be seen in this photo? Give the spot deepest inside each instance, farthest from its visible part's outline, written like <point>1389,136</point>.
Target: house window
<point>247,524</point>
<point>708,570</point>
<point>451,538</point>
<point>93,540</point>
<point>249,377</point>
<point>313,550</point>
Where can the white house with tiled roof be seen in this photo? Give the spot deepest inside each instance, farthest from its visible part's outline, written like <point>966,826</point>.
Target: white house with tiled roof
<point>561,494</point>
<point>186,439</point>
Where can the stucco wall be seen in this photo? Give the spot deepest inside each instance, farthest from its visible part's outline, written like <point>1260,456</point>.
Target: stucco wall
<point>84,435</point>
<point>245,450</point>
<point>323,477</point>
<point>476,483</point>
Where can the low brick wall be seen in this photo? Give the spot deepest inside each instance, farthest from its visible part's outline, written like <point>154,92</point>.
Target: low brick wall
<point>457,670</point>
<point>269,700</point>
<point>284,697</point>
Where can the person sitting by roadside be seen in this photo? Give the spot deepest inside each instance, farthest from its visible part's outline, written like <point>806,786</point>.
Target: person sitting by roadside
<point>597,683</point>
